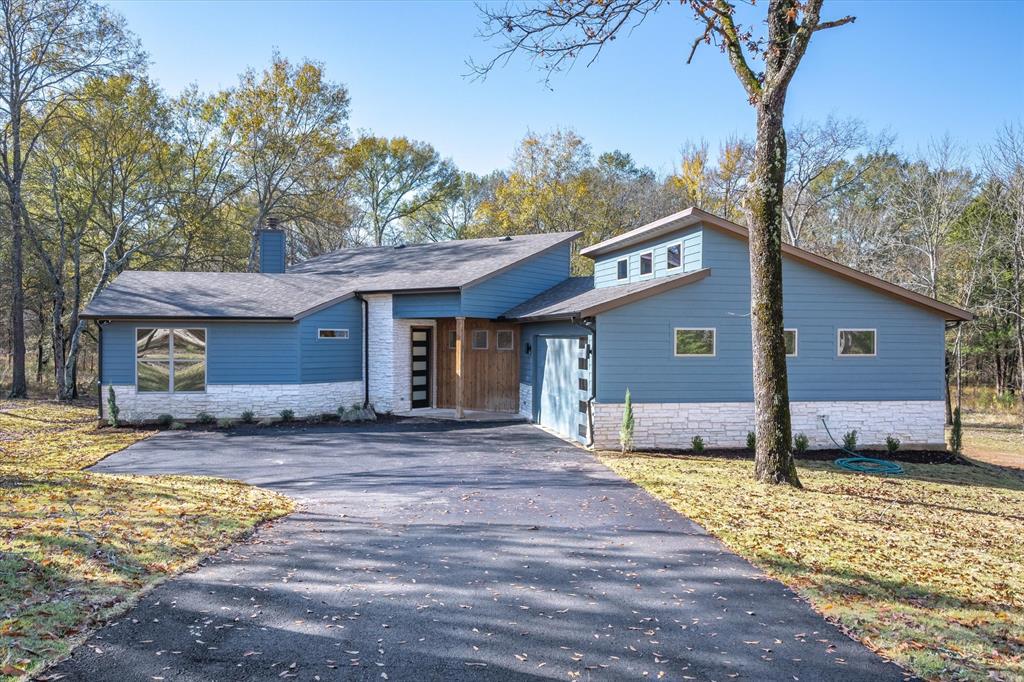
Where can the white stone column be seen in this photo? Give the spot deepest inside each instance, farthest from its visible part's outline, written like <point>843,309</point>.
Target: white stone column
<point>381,342</point>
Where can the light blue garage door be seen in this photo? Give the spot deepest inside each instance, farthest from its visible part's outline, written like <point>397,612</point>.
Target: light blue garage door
<point>556,391</point>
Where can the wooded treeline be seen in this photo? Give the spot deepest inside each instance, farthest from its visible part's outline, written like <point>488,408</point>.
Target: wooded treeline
<point>104,172</point>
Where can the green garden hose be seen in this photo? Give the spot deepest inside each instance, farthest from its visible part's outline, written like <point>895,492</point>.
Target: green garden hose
<point>863,465</point>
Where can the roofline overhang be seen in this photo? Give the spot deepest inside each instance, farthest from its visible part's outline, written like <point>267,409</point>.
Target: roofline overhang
<point>424,290</point>
<point>182,318</point>
<point>694,216</point>
<point>592,311</point>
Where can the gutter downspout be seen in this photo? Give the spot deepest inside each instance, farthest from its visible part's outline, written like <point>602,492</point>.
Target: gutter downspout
<point>99,368</point>
<point>592,333</point>
<point>366,350</point>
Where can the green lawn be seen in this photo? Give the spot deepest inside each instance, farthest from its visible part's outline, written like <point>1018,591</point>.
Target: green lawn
<point>927,568</point>
<point>78,547</point>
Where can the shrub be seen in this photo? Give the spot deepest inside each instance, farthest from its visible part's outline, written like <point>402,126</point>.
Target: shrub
<point>751,440</point>
<point>698,444</point>
<point>892,444</point>
<point>164,421</point>
<point>800,443</point>
<point>956,434</point>
<point>850,439</point>
<point>225,423</point>
<point>112,409</point>
<point>626,431</point>
<point>248,417</point>
<point>287,415</point>
<point>177,426</point>
<point>205,418</point>
<point>330,417</point>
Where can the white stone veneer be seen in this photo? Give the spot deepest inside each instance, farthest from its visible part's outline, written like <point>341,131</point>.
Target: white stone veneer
<point>381,340</point>
<point>230,400</point>
<point>526,400</point>
<point>673,425</point>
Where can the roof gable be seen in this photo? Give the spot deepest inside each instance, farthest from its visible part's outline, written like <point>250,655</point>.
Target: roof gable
<point>694,216</point>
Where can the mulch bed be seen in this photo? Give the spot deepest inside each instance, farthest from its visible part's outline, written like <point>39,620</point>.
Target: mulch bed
<point>909,456</point>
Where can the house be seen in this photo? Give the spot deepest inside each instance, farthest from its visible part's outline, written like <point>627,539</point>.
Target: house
<point>498,325</point>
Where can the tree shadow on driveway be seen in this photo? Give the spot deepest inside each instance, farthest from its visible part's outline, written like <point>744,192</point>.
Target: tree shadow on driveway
<point>457,553</point>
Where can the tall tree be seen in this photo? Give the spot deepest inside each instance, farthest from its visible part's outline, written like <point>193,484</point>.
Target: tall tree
<point>394,179</point>
<point>289,124</point>
<point>48,48</point>
<point>102,190</point>
<point>557,32</point>
<point>816,150</point>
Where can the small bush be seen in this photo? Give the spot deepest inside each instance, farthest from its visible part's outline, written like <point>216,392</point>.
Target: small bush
<point>112,409</point>
<point>177,426</point>
<point>287,415</point>
<point>751,440</point>
<point>248,417</point>
<point>164,421</point>
<point>225,423</point>
<point>956,434</point>
<point>330,417</point>
<point>205,418</point>
<point>850,439</point>
<point>800,443</point>
<point>626,430</point>
<point>892,444</point>
<point>698,444</point>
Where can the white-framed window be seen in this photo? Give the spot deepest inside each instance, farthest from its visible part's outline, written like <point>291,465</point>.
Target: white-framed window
<point>674,256</point>
<point>170,360</point>
<point>622,268</point>
<point>792,337</point>
<point>340,334</point>
<point>647,263</point>
<point>453,337</point>
<point>857,342</point>
<point>504,339</point>
<point>693,342</point>
<point>480,338</point>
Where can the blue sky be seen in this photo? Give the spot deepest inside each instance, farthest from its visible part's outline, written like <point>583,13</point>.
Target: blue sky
<point>919,69</point>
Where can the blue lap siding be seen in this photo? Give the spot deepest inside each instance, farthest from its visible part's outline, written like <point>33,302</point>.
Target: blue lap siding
<point>256,352</point>
<point>494,296</point>
<point>332,359</point>
<point>635,342</point>
<point>606,267</point>
<point>420,306</point>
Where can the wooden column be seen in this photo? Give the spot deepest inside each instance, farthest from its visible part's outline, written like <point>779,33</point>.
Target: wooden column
<point>460,363</point>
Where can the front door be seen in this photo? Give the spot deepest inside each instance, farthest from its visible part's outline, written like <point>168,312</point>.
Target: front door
<point>420,386</point>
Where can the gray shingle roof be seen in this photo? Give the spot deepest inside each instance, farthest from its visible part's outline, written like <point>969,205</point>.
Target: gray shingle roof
<point>310,285</point>
<point>240,295</point>
<point>439,265</point>
<point>577,296</point>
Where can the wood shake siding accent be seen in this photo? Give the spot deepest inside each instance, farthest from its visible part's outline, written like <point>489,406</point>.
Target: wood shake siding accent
<point>635,347</point>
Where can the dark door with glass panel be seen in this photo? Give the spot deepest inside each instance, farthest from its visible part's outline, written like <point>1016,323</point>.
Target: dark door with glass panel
<point>421,366</point>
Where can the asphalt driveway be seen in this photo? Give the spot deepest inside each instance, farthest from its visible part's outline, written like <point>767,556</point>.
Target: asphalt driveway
<point>429,551</point>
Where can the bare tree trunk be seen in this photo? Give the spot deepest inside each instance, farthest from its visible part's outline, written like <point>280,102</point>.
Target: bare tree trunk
<point>19,385</point>
<point>774,459</point>
<point>57,334</point>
